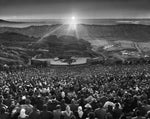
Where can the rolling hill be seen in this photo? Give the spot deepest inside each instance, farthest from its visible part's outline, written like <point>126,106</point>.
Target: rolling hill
<point>15,39</point>
<point>4,21</point>
<point>64,45</point>
<point>14,48</point>
<point>129,32</point>
<point>32,31</point>
<point>9,22</point>
<point>85,41</point>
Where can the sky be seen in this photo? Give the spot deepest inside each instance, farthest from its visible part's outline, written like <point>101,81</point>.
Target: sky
<point>60,9</point>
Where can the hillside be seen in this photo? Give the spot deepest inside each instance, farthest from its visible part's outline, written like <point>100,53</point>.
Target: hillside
<point>14,48</point>
<point>32,31</point>
<point>119,41</point>
<point>15,39</point>
<point>13,55</point>
<point>129,32</point>
<point>4,21</point>
<point>64,45</point>
<point>9,22</point>
<point>17,48</point>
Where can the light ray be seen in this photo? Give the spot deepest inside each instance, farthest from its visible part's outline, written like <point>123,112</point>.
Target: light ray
<point>73,27</point>
<point>73,23</point>
<point>50,33</point>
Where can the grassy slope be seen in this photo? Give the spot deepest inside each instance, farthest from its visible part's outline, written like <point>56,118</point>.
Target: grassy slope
<point>22,37</point>
<point>131,32</point>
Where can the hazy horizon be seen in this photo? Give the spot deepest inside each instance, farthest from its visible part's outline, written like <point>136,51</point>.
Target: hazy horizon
<point>85,9</point>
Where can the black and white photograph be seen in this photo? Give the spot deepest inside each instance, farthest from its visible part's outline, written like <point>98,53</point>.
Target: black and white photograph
<point>74,59</point>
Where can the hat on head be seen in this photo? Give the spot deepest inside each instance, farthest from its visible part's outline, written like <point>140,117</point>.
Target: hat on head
<point>79,108</point>
<point>1,97</point>
<point>23,97</point>
<point>88,105</point>
<point>58,107</point>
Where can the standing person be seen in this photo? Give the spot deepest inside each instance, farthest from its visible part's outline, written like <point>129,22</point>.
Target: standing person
<point>57,113</point>
<point>100,112</point>
<point>88,109</point>
<point>1,102</point>
<point>39,102</point>
<point>80,114</point>
<point>146,107</point>
<point>74,106</point>
<point>67,114</point>
<point>23,114</point>
<point>63,105</point>
<point>91,115</point>
<point>35,113</point>
<point>148,115</point>
<point>45,114</point>
<point>4,114</point>
<point>117,112</point>
<point>138,115</point>
<point>109,112</point>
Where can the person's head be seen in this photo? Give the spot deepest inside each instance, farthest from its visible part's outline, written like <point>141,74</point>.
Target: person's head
<point>44,107</point>
<point>88,106</point>
<point>63,94</point>
<point>23,113</point>
<point>2,110</point>
<point>1,97</point>
<point>79,108</point>
<point>73,117</point>
<point>148,114</point>
<point>137,113</point>
<point>23,98</point>
<point>67,108</point>
<point>100,105</point>
<point>58,107</point>
<point>27,101</point>
<point>63,101</point>
<point>110,108</point>
<point>91,115</point>
<point>1,101</point>
<point>123,117</point>
<point>13,102</point>
<point>73,101</point>
<point>117,105</point>
<point>139,104</point>
<point>144,102</point>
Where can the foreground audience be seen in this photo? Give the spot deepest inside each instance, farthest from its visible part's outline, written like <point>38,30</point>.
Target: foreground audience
<point>76,92</point>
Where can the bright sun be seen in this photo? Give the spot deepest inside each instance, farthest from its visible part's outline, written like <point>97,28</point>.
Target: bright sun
<point>73,23</point>
<point>73,18</point>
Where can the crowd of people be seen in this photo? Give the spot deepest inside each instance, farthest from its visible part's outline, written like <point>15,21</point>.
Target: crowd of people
<point>76,92</point>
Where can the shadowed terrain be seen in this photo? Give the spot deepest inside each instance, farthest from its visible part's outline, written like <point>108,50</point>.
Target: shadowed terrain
<point>86,41</point>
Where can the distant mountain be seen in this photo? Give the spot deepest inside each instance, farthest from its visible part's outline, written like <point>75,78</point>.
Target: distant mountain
<point>35,31</point>
<point>14,48</point>
<point>129,32</point>
<point>86,41</point>
<point>13,55</point>
<point>3,21</point>
<point>9,22</point>
<point>15,39</point>
<point>64,45</point>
